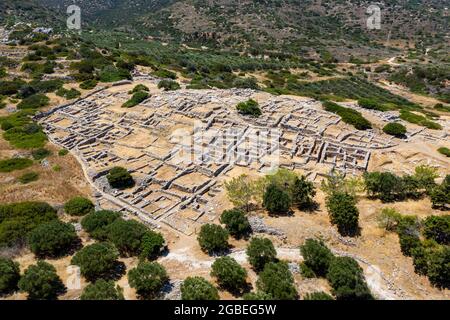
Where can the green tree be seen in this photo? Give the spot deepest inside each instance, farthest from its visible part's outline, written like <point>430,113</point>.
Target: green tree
<point>102,290</point>
<point>347,280</point>
<point>250,107</point>
<point>343,213</point>
<point>236,222</point>
<point>318,296</point>
<point>151,245</point>
<point>317,256</point>
<point>437,228</point>
<point>78,206</point>
<point>97,260</point>
<point>96,223</point>
<point>126,236</point>
<point>395,129</point>
<point>120,178</point>
<point>303,193</point>
<point>230,275</point>
<point>277,280</point>
<point>41,282</point>
<point>148,278</point>
<point>9,276</point>
<point>439,267</point>
<point>383,185</point>
<point>168,85</point>
<point>240,191</point>
<point>213,238</point>
<point>260,251</point>
<point>52,239</point>
<point>258,295</point>
<point>198,288</point>
<point>425,176</point>
<point>276,200</point>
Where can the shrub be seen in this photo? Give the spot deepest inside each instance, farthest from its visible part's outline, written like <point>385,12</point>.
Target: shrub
<point>96,223</point>
<point>18,219</point>
<point>88,84</point>
<point>137,98</point>
<point>148,278</point>
<point>383,185</point>
<point>120,178</point>
<point>316,256</point>
<point>68,94</point>
<point>277,281</point>
<point>408,237</point>
<point>78,206</point>
<point>438,270</point>
<point>28,136</point>
<point>236,222</point>
<point>28,177</point>
<point>102,290</point>
<point>63,152</point>
<point>230,275</point>
<point>41,282</point>
<point>52,239</point>
<point>168,85</point>
<point>9,276</point>
<point>126,236</point>
<point>35,101</point>
<point>139,87</point>
<point>10,165</point>
<point>389,219</point>
<point>40,153</point>
<point>303,193</point>
<point>343,213</point>
<point>419,120</point>
<point>440,195</point>
<point>112,74</point>
<point>151,244</point>
<point>445,151</point>
<point>198,288</point>
<point>163,73</point>
<point>347,280</point>
<point>250,107</point>
<point>395,129</point>
<point>97,260</point>
<point>259,295</point>
<point>260,251</point>
<point>213,238</point>
<point>348,115</point>
<point>276,200</point>
<point>318,296</point>
<point>437,228</point>
<point>371,104</point>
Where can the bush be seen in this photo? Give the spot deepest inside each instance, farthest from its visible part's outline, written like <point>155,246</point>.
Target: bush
<point>213,238</point>
<point>260,251</point>
<point>168,85</point>
<point>348,115</point>
<point>389,219</point>
<point>445,151</point>
<point>88,84</point>
<point>35,101</point>
<point>419,120</point>
<point>383,185</point>
<point>113,74</point>
<point>198,288</point>
<point>437,228</point>
<point>126,236</point>
<point>277,281</point>
<point>97,260</point>
<point>438,270</point>
<point>40,153</point>
<point>28,177</point>
<point>236,222</point>
<point>250,107</point>
<point>343,213</point>
<point>63,152</point>
<point>371,104</point>
<point>96,223</point>
<point>68,94</point>
<point>318,296</point>
<point>259,295</point>
<point>440,195</point>
<point>28,136</point>
<point>316,256</point>
<point>395,129</point>
<point>41,282</point>
<point>347,280</point>
<point>18,219</point>
<point>120,178</point>
<point>148,278</point>
<point>10,165</point>
<point>78,206</point>
<point>303,193</point>
<point>276,200</point>
<point>137,98</point>
<point>9,276</point>
<point>163,73</point>
<point>52,239</point>
<point>151,245</point>
<point>102,290</point>
<point>139,87</point>
<point>230,275</point>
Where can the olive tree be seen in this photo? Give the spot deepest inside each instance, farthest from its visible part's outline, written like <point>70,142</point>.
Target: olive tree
<point>198,288</point>
<point>277,281</point>
<point>148,278</point>
<point>9,275</point>
<point>230,275</point>
<point>213,238</point>
<point>260,251</point>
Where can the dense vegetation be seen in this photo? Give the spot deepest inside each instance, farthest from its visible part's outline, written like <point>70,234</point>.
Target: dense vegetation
<point>198,288</point>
